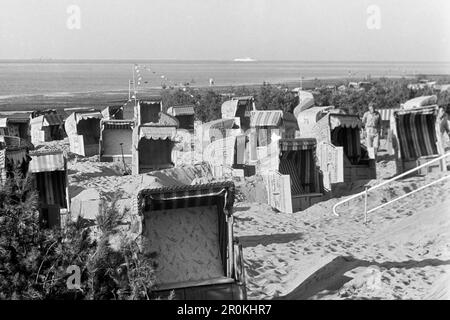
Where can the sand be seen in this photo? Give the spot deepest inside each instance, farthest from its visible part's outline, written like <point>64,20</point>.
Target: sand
<point>402,253</point>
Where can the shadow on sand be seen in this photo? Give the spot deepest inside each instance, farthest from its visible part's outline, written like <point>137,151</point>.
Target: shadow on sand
<point>331,276</point>
<point>253,241</point>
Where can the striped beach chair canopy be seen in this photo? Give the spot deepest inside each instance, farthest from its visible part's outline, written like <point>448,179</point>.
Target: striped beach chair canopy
<point>185,110</point>
<point>88,115</point>
<point>416,131</point>
<point>272,118</point>
<point>156,132</point>
<point>386,114</point>
<point>187,196</point>
<point>297,144</point>
<point>117,124</point>
<point>47,161</point>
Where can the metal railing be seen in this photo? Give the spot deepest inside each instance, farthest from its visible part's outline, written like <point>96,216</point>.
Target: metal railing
<point>367,190</point>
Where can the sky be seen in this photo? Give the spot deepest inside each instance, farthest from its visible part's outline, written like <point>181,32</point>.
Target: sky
<point>319,30</point>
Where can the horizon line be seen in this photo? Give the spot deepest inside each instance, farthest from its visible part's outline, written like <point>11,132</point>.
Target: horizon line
<point>130,60</point>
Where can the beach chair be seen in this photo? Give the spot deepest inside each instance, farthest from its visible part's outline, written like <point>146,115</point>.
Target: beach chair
<point>153,144</point>
<point>116,138</point>
<point>50,179</point>
<point>292,176</point>
<point>416,139</point>
<point>188,231</point>
<point>83,130</point>
<point>240,108</point>
<point>341,156</point>
<point>185,116</point>
<point>47,127</point>
<point>13,159</point>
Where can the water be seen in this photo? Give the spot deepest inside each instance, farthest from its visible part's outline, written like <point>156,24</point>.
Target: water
<point>58,78</point>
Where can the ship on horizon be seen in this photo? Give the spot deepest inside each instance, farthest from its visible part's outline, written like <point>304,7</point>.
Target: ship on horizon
<point>247,59</point>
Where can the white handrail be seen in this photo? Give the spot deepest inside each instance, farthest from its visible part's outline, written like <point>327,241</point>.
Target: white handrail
<point>391,180</point>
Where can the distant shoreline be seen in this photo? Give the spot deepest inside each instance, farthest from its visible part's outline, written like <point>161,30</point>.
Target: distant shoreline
<point>133,61</point>
<point>101,99</point>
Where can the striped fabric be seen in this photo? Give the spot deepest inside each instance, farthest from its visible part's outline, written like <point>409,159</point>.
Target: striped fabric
<point>53,120</point>
<point>47,161</point>
<point>307,167</point>
<point>186,196</point>
<point>51,187</point>
<point>157,132</point>
<point>181,110</point>
<point>416,133</point>
<point>386,114</point>
<point>2,158</point>
<point>289,167</point>
<point>297,144</point>
<point>298,159</point>
<point>118,124</point>
<point>266,118</point>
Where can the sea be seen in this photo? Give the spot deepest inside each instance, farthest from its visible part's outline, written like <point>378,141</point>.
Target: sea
<point>72,76</point>
<point>54,79</point>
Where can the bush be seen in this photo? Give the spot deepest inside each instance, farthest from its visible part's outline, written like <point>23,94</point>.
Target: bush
<point>34,262</point>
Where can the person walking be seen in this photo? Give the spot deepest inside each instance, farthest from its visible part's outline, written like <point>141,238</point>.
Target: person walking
<point>372,127</point>
<point>443,124</point>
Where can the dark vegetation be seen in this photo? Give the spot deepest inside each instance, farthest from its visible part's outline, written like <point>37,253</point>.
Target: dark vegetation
<point>34,262</point>
<point>385,93</point>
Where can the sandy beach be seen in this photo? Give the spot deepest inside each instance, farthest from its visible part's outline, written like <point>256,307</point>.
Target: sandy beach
<point>403,252</point>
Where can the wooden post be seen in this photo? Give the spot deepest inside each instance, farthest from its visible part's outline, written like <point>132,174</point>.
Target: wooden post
<point>365,204</point>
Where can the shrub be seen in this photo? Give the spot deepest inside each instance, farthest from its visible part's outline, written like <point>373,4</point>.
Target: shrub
<point>34,261</point>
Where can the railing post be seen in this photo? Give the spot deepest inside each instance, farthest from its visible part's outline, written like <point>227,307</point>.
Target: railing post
<point>365,204</point>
